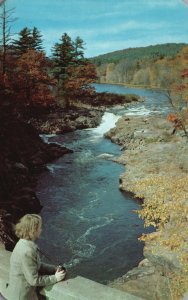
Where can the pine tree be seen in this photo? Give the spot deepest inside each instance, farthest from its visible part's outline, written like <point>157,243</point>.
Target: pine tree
<point>72,71</point>
<point>63,57</point>
<point>79,50</point>
<point>24,41</point>
<point>36,40</point>
<point>28,39</point>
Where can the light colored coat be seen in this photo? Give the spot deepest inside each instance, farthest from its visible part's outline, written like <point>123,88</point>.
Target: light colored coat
<point>25,269</point>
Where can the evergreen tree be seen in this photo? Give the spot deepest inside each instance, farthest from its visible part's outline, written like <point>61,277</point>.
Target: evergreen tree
<point>63,57</point>
<point>36,39</point>
<point>24,41</point>
<point>28,39</point>
<point>73,72</point>
<point>79,50</point>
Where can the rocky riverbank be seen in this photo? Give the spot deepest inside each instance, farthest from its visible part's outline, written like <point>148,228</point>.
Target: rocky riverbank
<point>83,115</point>
<point>23,155</point>
<point>156,171</point>
<point>60,121</point>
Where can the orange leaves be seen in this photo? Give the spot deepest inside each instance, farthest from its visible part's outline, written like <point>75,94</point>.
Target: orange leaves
<point>178,123</point>
<point>32,82</point>
<point>33,64</point>
<point>172,117</point>
<point>27,82</point>
<point>80,77</point>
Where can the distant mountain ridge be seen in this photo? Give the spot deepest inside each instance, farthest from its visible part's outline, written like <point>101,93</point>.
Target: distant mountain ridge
<point>153,51</point>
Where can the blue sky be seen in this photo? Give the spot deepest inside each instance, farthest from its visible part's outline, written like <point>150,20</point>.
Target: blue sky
<point>105,25</point>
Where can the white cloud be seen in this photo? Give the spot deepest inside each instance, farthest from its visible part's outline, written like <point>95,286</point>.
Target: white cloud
<point>134,25</point>
<point>97,48</point>
<point>105,25</point>
<point>95,32</point>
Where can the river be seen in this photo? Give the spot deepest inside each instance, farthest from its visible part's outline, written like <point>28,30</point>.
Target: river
<point>88,223</point>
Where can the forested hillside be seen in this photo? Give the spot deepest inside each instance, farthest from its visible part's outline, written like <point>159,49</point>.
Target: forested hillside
<point>147,66</point>
<point>150,52</point>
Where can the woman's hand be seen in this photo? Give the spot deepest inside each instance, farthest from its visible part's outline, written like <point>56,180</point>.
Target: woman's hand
<point>60,275</point>
<point>60,268</point>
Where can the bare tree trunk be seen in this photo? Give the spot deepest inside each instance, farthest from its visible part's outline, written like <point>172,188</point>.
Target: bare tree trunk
<point>5,20</point>
<point>4,40</point>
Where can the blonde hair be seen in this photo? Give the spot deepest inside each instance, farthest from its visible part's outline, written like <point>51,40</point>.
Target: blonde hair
<point>28,226</point>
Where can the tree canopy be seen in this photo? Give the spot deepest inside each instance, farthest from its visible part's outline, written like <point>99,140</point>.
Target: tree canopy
<point>33,79</point>
<point>28,39</point>
<point>73,72</point>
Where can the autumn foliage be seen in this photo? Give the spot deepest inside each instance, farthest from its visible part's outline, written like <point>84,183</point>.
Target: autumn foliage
<point>166,209</point>
<point>78,82</point>
<point>178,95</point>
<point>27,81</point>
<point>177,122</point>
<point>33,82</point>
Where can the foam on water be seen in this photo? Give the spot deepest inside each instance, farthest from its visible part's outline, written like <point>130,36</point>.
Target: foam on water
<point>140,111</point>
<point>81,248</point>
<point>46,137</point>
<point>53,167</point>
<point>105,155</point>
<point>108,121</point>
<point>84,157</point>
<point>89,222</point>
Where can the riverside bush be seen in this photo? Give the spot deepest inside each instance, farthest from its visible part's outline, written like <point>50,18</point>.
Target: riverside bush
<point>166,208</point>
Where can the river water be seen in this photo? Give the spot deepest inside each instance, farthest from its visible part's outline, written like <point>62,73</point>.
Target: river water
<point>88,223</point>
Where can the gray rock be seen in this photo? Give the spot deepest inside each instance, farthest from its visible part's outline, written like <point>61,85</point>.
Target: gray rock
<point>150,150</point>
<point>21,167</point>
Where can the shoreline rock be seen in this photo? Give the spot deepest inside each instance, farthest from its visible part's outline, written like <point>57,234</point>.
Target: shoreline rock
<point>149,149</point>
<point>23,155</point>
<point>60,121</point>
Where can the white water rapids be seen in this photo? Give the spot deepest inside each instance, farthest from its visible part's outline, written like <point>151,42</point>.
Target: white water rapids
<point>88,223</point>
